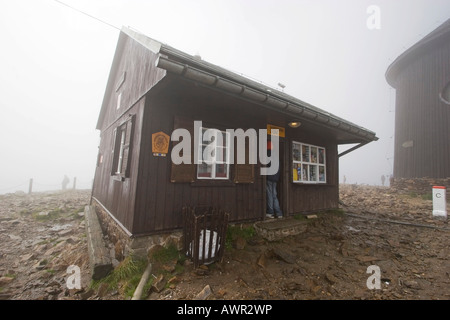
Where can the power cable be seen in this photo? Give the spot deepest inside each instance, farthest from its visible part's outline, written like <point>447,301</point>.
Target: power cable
<point>87,14</point>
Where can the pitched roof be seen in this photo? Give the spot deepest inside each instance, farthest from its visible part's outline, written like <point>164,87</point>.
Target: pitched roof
<point>193,68</point>
<point>436,37</point>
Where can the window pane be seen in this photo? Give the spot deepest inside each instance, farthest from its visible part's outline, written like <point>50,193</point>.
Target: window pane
<point>313,154</point>
<point>322,173</point>
<point>221,170</point>
<point>222,151</point>
<point>128,129</point>
<point>224,139</point>
<point>204,170</point>
<point>305,174</point>
<point>312,173</point>
<point>297,172</point>
<point>122,141</point>
<point>213,137</point>
<point>305,153</point>
<point>321,156</point>
<point>213,164</point>
<point>221,155</point>
<point>296,152</point>
<point>207,157</point>
<point>207,139</point>
<point>124,164</point>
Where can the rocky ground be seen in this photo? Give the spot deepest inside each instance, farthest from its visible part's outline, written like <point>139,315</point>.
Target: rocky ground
<point>42,234</point>
<point>330,260</point>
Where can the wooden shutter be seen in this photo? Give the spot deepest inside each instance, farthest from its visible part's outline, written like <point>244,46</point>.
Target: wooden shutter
<point>244,173</point>
<point>183,172</point>
<point>127,154</point>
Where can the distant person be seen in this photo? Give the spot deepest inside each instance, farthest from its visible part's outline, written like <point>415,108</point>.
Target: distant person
<point>65,182</point>
<point>383,178</point>
<point>345,179</point>
<point>273,205</point>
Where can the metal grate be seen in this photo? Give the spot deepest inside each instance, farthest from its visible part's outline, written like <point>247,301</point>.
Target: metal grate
<point>205,231</point>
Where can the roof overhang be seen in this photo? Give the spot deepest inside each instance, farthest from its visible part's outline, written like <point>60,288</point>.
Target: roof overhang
<point>217,78</point>
<point>191,68</point>
<point>437,37</point>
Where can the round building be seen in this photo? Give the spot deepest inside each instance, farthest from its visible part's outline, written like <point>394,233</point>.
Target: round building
<point>421,77</point>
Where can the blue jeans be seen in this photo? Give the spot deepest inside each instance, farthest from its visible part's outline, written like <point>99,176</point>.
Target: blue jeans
<point>273,206</point>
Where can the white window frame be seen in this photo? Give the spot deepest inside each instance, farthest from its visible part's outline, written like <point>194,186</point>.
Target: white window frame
<point>214,162</point>
<point>306,162</point>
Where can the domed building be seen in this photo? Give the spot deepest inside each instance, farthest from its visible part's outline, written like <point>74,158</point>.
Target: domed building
<point>421,77</point>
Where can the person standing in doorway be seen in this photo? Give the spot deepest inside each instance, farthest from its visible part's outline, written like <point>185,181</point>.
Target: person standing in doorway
<point>273,205</point>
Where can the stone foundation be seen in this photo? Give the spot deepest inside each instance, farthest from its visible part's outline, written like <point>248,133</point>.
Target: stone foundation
<point>420,186</point>
<point>126,244</point>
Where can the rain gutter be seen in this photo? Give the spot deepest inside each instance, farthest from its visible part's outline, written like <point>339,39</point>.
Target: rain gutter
<point>234,84</point>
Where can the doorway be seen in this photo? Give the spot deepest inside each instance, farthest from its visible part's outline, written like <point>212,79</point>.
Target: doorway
<point>280,187</point>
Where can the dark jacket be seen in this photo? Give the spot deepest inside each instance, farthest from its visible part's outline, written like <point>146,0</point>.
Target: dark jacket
<point>275,177</point>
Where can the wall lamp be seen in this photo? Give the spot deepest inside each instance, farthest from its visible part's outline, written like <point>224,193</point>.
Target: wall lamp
<point>294,124</point>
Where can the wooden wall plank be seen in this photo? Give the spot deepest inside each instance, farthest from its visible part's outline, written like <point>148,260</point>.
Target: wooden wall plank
<point>160,201</point>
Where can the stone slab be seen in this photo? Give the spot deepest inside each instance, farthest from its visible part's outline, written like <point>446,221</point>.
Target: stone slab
<point>277,229</point>
<point>99,258</point>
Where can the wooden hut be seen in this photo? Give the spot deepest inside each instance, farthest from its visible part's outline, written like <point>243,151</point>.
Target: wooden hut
<point>154,89</point>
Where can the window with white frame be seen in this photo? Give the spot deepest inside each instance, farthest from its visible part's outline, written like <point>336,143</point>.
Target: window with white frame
<point>121,152</point>
<point>308,163</point>
<point>213,154</point>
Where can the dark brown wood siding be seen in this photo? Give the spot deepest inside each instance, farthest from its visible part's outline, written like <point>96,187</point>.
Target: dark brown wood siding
<point>133,75</point>
<point>118,195</point>
<point>422,120</point>
<point>159,201</point>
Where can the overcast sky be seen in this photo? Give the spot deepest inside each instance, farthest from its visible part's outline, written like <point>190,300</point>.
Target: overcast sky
<point>55,62</point>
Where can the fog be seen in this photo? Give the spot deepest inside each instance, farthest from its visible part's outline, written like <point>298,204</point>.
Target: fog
<point>55,62</point>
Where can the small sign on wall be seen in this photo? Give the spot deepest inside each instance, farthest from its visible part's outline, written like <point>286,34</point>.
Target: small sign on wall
<point>281,130</point>
<point>160,144</point>
<point>439,202</point>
